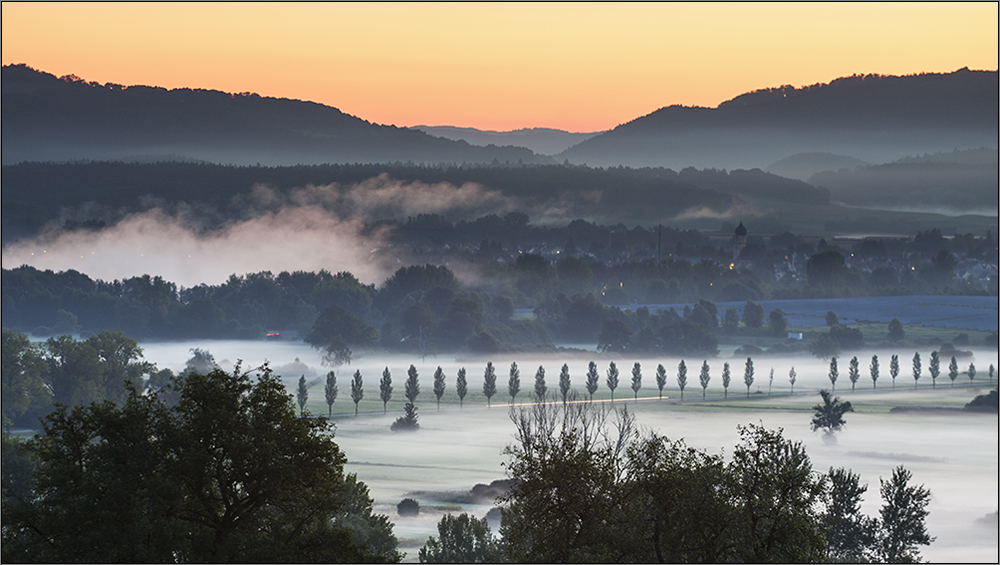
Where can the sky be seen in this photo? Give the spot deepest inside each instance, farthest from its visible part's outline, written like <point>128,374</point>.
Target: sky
<point>578,67</point>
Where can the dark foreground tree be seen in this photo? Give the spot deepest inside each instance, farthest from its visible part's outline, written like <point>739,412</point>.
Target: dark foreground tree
<point>462,539</point>
<point>219,477</point>
<point>850,534</point>
<point>903,513</point>
<point>830,414</point>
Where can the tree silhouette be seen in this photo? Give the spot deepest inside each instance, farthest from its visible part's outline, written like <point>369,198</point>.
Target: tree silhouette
<point>564,383</point>
<point>916,368</point>
<point>357,390</point>
<point>748,375</point>
<point>896,332</point>
<point>489,383</point>
<point>704,377</point>
<point>514,382</point>
<point>412,387</point>
<point>461,387</point>
<point>726,379</point>
<point>661,379</point>
<point>894,369</point>
<point>971,372</point>
<point>636,380</point>
<point>934,368</point>
<point>612,381</point>
<point>540,386</point>
<point>834,373</point>
<point>682,377</point>
<point>439,386</point>
<point>331,392</point>
<point>385,388</point>
<point>873,370</point>
<point>791,378</point>
<point>592,379</point>
<point>830,414</point>
<point>302,395</point>
<point>853,371</point>
<point>902,518</point>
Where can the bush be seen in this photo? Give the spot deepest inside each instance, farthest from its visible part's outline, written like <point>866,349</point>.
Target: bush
<point>408,507</point>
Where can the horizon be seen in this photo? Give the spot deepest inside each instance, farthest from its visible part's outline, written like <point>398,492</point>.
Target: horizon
<point>532,66</point>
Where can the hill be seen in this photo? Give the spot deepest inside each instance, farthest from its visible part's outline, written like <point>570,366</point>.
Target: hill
<point>46,118</point>
<point>544,141</point>
<point>872,118</point>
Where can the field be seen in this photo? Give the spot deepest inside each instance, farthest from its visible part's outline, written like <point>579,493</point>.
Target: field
<point>953,453</point>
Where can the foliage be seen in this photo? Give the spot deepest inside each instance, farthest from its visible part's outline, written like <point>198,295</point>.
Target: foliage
<point>385,388</point>
<point>726,378</point>
<point>23,374</point>
<point>489,382</point>
<point>540,387</point>
<point>302,395</point>
<point>704,377</point>
<point>412,387</point>
<point>896,332</point>
<point>830,414</point>
<point>748,374</point>
<point>850,534</point>
<point>682,379</point>
<point>462,539</point>
<point>408,507</point>
<point>834,373</point>
<point>218,477</point>
<point>902,514</point>
<point>612,380</point>
<point>661,378</point>
<point>636,380</point>
<point>873,370</point>
<point>513,381</point>
<point>753,314</point>
<point>791,378</point>
<point>934,368</point>
<point>916,368</point>
<point>357,390</point>
<point>989,402</point>
<point>461,386</point>
<point>408,422</point>
<point>853,372</point>
<point>825,347</point>
<point>439,384</point>
<point>564,382</point>
<point>592,379</point>
<point>894,368</point>
<point>330,391</point>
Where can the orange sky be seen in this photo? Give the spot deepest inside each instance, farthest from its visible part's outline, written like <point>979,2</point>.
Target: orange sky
<point>580,67</point>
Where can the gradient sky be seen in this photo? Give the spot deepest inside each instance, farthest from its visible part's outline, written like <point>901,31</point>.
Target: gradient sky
<point>580,67</point>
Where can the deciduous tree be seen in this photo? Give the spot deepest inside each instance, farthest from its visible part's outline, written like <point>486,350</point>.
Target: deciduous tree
<point>916,368</point>
<point>564,382</point>
<point>830,414</point>
<point>934,368</point>
<point>592,379</point>
<point>903,514</point>
<point>462,539</point>
<point>636,380</point>
<point>439,385</point>
<point>661,378</point>
<point>330,391</point>
<point>791,378</point>
<point>357,390</point>
<point>853,371</point>
<point>682,377</point>
<point>873,370</point>
<point>385,389</point>
<point>489,382</point>
<point>894,369</point>
<point>302,395</point>
<point>748,375</point>
<point>513,382</point>
<point>705,377</point>
<point>612,381</point>
<point>726,379</point>
<point>461,387</point>
<point>834,373</point>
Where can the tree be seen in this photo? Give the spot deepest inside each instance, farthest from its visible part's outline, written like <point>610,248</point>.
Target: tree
<point>834,373</point>
<point>831,318</point>
<point>540,386</point>
<point>748,375</point>
<point>770,381</point>
<point>934,368</point>
<point>218,477</point>
<point>23,382</point>
<point>357,390</point>
<point>612,381</point>
<point>461,387</point>
<point>592,379</point>
<point>336,328</point>
<point>853,371</point>
<point>830,414</point>
<point>873,370</point>
<point>777,321</point>
<point>682,379</point>
<point>791,378</point>
<point>971,372</point>
<point>952,369</point>
<point>705,377</point>
<point>513,381</point>
<point>636,380</point>
<point>916,368</point>
<point>894,369</point>
<point>462,539</point>
<point>385,389</point>
<point>896,332</point>
<point>902,514</point>
<point>992,371</point>
<point>489,382</point>
<point>850,534</point>
<point>614,337</point>
<point>330,391</point>
<point>726,379</point>
<point>661,379</point>
<point>302,395</point>
<point>411,389</point>
<point>408,421</point>
<point>439,386</point>
<point>564,383</point>
<point>753,314</point>
<point>825,347</point>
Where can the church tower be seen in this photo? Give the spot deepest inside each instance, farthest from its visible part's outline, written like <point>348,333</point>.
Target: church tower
<point>741,240</point>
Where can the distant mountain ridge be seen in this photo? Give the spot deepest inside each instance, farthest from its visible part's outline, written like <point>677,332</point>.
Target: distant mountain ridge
<point>62,119</point>
<point>873,118</point>
<point>544,141</point>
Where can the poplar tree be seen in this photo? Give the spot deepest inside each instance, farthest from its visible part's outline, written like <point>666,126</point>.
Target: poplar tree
<point>612,379</point>
<point>953,370</point>
<point>661,379</point>
<point>514,382</point>
<point>636,380</point>
<point>385,388</point>
<point>412,388</point>
<point>682,377</point>
<point>934,368</point>
<point>461,387</point>
<point>791,378</point>
<point>971,372</point>
<point>726,379</point>
<point>834,373</point>
<point>916,368</point>
<point>592,379</point>
<point>439,385</point>
<point>489,383</point>
<point>853,372</point>
<point>894,369</point>
<point>704,377</point>
<point>748,375</point>
<point>540,387</point>
<point>303,395</point>
<point>331,392</point>
<point>357,390</point>
<point>564,383</point>
<point>873,370</point>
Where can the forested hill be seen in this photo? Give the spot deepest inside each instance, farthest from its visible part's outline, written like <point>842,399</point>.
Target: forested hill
<point>46,118</point>
<point>873,118</point>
